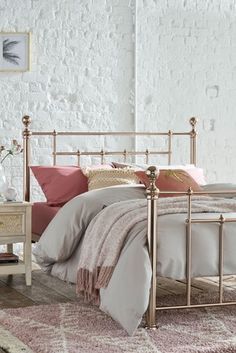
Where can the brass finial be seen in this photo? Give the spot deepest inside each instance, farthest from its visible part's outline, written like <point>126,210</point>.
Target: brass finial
<point>26,120</point>
<point>125,155</point>
<point>152,172</point>
<point>190,191</point>
<point>193,121</point>
<point>222,219</point>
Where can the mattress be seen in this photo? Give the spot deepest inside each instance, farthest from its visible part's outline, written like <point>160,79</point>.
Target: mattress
<point>42,214</point>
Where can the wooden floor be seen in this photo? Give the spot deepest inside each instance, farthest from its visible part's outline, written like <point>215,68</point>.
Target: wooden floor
<point>46,289</point>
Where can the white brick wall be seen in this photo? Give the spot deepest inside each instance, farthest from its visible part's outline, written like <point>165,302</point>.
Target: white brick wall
<point>82,69</point>
<point>187,56</point>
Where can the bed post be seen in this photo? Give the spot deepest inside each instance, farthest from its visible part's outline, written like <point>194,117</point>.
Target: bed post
<point>152,196</point>
<point>193,141</point>
<point>26,158</point>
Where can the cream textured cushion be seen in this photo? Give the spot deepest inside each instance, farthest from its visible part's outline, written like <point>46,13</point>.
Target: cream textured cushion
<point>101,178</point>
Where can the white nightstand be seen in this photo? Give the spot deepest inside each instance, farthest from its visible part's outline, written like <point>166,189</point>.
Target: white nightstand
<point>15,227</point>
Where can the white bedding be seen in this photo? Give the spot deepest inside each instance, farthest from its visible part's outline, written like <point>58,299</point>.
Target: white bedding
<point>126,296</point>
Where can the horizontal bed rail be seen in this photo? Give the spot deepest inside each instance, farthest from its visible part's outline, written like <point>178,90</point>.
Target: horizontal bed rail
<point>198,193</point>
<point>194,306</point>
<point>107,133</point>
<point>115,153</point>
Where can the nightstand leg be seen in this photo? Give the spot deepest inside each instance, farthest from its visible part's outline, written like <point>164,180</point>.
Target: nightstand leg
<point>28,249</point>
<point>27,261</point>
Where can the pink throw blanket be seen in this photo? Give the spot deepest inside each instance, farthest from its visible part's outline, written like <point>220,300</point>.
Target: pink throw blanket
<point>107,232</point>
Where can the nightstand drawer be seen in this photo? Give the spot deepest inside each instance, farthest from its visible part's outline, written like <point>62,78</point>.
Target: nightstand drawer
<point>12,224</point>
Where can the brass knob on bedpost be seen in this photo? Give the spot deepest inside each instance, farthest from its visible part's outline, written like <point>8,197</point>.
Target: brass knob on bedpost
<point>26,120</point>
<point>153,173</point>
<point>193,122</point>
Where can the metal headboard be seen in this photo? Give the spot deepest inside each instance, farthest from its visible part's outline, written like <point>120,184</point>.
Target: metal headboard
<point>28,134</point>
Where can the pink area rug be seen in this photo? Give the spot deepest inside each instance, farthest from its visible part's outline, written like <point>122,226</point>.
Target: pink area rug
<point>79,328</point>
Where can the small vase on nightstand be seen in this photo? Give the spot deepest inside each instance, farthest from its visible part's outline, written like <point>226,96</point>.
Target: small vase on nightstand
<point>7,152</point>
<point>10,194</point>
<point>3,183</point>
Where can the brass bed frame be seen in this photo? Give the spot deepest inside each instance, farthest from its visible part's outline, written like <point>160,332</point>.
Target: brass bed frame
<point>152,201</point>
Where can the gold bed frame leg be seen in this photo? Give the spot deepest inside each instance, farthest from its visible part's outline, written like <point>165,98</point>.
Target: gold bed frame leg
<point>152,197</point>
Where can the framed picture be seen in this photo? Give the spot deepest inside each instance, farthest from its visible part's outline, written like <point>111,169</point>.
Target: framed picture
<point>14,51</point>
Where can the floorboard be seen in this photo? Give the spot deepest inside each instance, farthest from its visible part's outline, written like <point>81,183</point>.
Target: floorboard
<point>46,289</point>
<point>63,288</point>
<point>38,292</point>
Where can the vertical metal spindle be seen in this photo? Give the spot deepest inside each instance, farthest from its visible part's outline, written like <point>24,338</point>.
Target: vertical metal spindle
<point>54,147</point>
<point>221,257</point>
<point>78,157</point>
<point>125,156</point>
<point>102,156</point>
<point>147,156</point>
<point>152,196</point>
<point>189,247</point>
<point>169,146</point>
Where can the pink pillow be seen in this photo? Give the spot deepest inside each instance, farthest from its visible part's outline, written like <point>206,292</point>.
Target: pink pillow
<point>197,174</point>
<point>171,180</point>
<point>60,184</point>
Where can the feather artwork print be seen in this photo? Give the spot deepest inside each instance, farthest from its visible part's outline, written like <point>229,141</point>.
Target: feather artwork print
<point>8,54</point>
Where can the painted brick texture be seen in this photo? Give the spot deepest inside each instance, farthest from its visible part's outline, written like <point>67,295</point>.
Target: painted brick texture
<point>82,70</point>
<point>187,53</point>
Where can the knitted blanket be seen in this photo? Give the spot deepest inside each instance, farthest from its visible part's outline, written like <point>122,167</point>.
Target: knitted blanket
<point>107,232</point>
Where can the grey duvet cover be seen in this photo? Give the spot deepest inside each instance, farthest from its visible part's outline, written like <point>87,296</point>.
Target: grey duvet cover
<point>126,297</point>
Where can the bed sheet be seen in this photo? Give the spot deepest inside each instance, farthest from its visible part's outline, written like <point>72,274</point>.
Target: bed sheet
<point>42,214</point>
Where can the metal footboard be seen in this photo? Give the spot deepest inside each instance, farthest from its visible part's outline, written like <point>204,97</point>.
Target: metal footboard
<point>152,234</point>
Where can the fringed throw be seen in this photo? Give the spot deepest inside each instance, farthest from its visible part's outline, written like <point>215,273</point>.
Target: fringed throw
<point>107,232</point>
